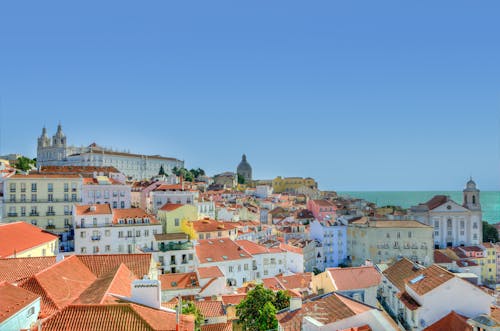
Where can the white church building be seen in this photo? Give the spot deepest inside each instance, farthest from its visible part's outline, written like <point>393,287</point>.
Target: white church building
<point>56,152</point>
<point>454,224</point>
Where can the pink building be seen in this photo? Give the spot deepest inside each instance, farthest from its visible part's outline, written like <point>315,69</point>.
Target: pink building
<point>322,209</point>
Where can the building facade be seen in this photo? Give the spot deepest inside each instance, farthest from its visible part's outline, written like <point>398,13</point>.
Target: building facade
<point>56,152</point>
<point>291,184</point>
<point>333,239</point>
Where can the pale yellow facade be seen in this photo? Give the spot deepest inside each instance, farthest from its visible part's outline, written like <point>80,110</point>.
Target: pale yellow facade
<point>171,221</point>
<point>42,200</point>
<point>290,184</point>
<point>383,241</point>
<point>46,249</point>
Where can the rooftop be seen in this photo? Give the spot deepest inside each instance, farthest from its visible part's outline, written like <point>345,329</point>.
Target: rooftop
<point>18,237</point>
<point>355,277</point>
<point>13,299</point>
<point>219,250</point>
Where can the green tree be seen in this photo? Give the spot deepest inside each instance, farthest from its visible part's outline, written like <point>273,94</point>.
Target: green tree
<point>490,233</point>
<point>258,310</point>
<point>189,308</point>
<point>267,317</point>
<point>176,171</point>
<point>281,300</point>
<point>241,179</point>
<point>162,171</point>
<point>24,164</point>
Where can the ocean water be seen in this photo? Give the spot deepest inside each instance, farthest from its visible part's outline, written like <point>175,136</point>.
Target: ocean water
<point>490,200</point>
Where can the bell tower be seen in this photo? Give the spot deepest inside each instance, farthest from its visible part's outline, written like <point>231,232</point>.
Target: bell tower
<point>471,196</point>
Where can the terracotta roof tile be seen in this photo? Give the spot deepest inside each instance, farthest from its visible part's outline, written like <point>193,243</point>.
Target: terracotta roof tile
<point>102,264</point>
<point>218,250</point>
<point>18,237</point>
<point>115,317</point>
<point>13,299</point>
<point>452,321</point>
<point>218,327</point>
<point>355,278</point>
<point>254,248</point>
<point>132,213</point>
<point>408,301</point>
<point>233,299</point>
<point>296,281</point>
<point>210,225</point>
<point>178,281</point>
<point>436,201</point>
<point>98,209</point>
<point>428,279</point>
<point>18,269</point>
<point>399,271</point>
<point>210,272</point>
<point>210,308</point>
<point>171,206</point>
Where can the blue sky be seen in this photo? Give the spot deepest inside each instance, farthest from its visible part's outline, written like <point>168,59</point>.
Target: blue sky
<point>361,95</point>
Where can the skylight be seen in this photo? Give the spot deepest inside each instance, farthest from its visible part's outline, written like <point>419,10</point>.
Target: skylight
<point>224,257</point>
<point>417,279</point>
<point>209,259</point>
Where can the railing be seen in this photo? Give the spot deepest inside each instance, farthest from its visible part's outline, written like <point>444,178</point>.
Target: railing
<point>184,262</point>
<point>51,213</point>
<point>35,214</point>
<point>50,227</point>
<point>95,238</point>
<point>66,213</point>
<point>175,246</point>
<point>12,214</point>
<point>46,200</point>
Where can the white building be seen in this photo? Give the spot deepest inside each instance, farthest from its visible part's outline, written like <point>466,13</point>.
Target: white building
<point>206,209</point>
<point>172,193</point>
<point>270,261</point>
<point>101,230</point>
<point>454,224</point>
<point>263,191</point>
<point>105,190</point>
<point>333,238</point>
<point>173,252</point>
<point>55,151</point>
<point>235,263</point>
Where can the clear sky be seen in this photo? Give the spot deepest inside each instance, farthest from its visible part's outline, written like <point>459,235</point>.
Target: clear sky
<point>361,95</point>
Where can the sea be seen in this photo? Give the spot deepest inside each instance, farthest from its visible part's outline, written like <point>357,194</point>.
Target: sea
<point>490,200</point>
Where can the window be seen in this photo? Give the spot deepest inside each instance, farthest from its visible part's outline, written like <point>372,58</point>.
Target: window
<point>107,248</point>
<point>73,197</point>
<point>474,225</point>
<point>33,222</point>
<point>231,269</point>
<point>82,234</point>
<point>50,187</point>
<point>409,234</point>
<point>73,187</point>
<point>96,249</point>
<point>115,205</point>
<point>176,222</point>
<point>33,187</point>
<point>129,233</point>
<point>146,233</point>
<point>245,266</point>
<point>122,204</point>
<point>33,198</point>
<point>399,235</point>
<point>448,223</point>
<point>190,256</point>
<point>23,187</point>
<point>12,198</point>
<point>436,224</point>
<point>23,197</point>
<point>23,211</point>
<point>94,221</point>
<point>138,233</point>
<point>387,235</point>
<point>106,194</point>
<point>219,234</point>
<point>266,272</point>
<point>107,233</point>
<point>66,197</point>
<point>31,311</point>
<point>66,187</point>
<point>83,250</point>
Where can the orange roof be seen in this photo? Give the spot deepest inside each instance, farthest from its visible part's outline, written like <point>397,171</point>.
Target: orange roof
<point>408,301</point>
<point>291,248</point>
<point>219,250</point>
<point>254,248</point>
<point>210,225</point>
<point>324,203</point>
<point>233,299</point>
<point>296,281</point>
<point>440,257</point>
<point>217,327</point>
<point>132,213</point>
<point>272,283</point>
<point>17,269</point>
<point>355,277</point>
<point>429,279</point>
<point>399,271</point>
<point>60,284</point>
<point>210,272</point>
<point>210,308</point>
<point>178,281</point>
<point>13,299</point>
<point>171,206</point>
<point>18,237</point>
<point>338,307</point>
<point>45,176</point>
<point>98,209</point>
<point>123,316</point>
<point>77,169</point>
<point>452,321</point>
<point>102,264</point>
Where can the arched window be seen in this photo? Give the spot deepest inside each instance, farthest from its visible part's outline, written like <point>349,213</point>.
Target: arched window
<point>473,199</point>
<point>448,222</point>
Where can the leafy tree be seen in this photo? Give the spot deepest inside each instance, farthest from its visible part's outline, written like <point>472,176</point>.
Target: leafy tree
<point>258,310</point>
<point>176,171</point>
<point>189,308</point>
<point>281,300</point>
<point>201,172</point>
<point>162,171</point>
<point>241,179</point>
<point>490,233</point>
<point>267,317</point>
<point>24,164</point>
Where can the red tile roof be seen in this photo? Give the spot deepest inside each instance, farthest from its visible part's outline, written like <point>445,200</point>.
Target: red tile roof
<point>429,279</point>
<point>178,281</point>
<point>219,250</point>
<point>115,317</point>
<point>210,308</point>
<point>98,209</point>
<point>218,327</point>
<point>209,225</point>
<point>18,237</point>
<point>15,270</point>
<point>210,272</point>
<point>399,271</point>
<point>254,248</point>
<point>102,264</point>
<point>355,277</point>
<point>296,281</point>
<point>440,257</point>
<point>77,169</point>
<point>326,309</point>
<point>45,176</point>
<point>436,201</point>
<point>233,299</point>
<point>272,283</point>
<point>13,299</point>
<point>171,206</point>
<point>132,213</point>
<point>452,321</point>
<point>408,301</point>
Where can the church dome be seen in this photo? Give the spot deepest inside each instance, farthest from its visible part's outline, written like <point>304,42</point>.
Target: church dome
<point>471,185</point>
<point>244,169</point>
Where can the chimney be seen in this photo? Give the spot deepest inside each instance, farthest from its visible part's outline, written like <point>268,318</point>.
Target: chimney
<point>368,263</point>
<point>147,292</point>
<point>295,303</point>
<point>92,208</point>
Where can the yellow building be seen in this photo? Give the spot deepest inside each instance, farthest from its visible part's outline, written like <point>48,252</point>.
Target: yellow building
<point>291,184</point>
<point>171,216</point>
<point>20,239</point>
<point>41,199</point>
<point>484,256</point>
<point>209,229</point>
<point>384,241</point>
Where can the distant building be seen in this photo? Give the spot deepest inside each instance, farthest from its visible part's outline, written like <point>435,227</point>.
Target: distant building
<point>333,238</point>
<point>454,224</point>
<point>292,184</point>
<point>19,308</point>
<point>56,152</point>
<point>245,170</point>
<point>225,180</point>
<point>21,239</point>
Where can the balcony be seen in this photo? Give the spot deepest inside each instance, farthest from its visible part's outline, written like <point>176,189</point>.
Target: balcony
<point>173,262</point>
<point>47,200</point>
<point>185,261</point>
<point>66,213</point>
<point>96,238</point>
<point>50,227</point>
<point>175,246</point>
<point>34,213</point>
<point>12,214</point>
<point>254,267</point>
<point>51,213</point>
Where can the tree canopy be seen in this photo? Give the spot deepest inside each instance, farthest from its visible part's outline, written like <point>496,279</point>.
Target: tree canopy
<point>189,308</point>
<point>490,233</point>
<point>241,179</point>
<point>188,175</point>
<point>24,164</point>
<point>258,310</point>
